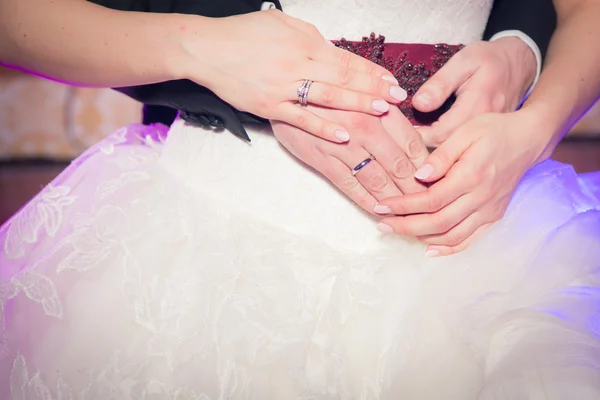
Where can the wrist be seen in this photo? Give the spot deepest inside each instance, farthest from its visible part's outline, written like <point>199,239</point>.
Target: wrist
<point>193,36</point>
<point>543,130</point>
<point>523,59</point>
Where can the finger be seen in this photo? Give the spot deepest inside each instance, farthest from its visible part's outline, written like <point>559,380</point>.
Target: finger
<point>330,96</point>
<point>430,136</point>
<point>392,155</point>
<point>436,197</point>
<point>372,176</point>
<point>437,251</point>
<point>355,80</point>
<point>339,174</point>
<point>441,160</point>
<point>443,83</point>
<point>310,122</point>
<point>343,58</point>
<point>470,103</point>
<point>407,137</point>
<point>418,225</point>
<point>455,235</point>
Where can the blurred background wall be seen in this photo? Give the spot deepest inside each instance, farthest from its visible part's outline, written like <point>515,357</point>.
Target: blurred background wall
<point>44,119</point>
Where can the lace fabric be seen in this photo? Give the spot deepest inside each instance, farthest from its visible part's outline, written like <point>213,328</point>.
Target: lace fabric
<point>404,21</point>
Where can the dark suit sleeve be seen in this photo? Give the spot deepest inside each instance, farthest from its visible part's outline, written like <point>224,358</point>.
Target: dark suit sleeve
<point>535,18</point>
<point>197,104</point>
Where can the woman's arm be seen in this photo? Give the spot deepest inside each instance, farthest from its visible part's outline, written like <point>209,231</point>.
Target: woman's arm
<point>570,81</point>
<point>255,62</point>
<point>80,43</point>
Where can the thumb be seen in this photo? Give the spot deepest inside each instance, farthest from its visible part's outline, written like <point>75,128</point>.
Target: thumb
<point>442,84</point>
<point>439,162</point>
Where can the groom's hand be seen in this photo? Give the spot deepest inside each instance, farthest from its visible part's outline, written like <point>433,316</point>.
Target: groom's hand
<point>393,142</point>
<point>485,76</point>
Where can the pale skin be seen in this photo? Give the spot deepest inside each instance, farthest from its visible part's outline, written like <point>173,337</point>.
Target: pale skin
<point>84,44</point>
<point>486,76</point>
<point>477,169</point>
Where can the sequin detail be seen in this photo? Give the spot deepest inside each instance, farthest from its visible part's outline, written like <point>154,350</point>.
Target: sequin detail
<point>411,73</point>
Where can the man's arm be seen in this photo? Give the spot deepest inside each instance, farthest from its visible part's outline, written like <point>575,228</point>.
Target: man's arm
<point>534,18</point>
<point>490,76</point>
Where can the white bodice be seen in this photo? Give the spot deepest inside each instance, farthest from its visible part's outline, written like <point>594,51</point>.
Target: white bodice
<point>267,181</point>
<point>405,21</point>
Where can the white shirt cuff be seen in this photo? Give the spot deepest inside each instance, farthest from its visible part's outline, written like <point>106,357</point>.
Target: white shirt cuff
<point>267,6</point>
<point>534,48</point>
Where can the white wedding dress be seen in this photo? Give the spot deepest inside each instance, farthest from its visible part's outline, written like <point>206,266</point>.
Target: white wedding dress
<point>194,265</point>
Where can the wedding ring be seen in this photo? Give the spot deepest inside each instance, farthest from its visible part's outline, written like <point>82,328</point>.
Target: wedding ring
<point>302,92</point>
<point>362,164</point>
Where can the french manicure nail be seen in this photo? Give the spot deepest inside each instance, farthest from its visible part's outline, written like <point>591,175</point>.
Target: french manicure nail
<point>383,228</point>
<point>424,171</point>
<point>398,93</point>
<point>432,253</point>
<point>390,78</point>
<point>342,135</point>
<point>382,209</point>
<point>381,106</point>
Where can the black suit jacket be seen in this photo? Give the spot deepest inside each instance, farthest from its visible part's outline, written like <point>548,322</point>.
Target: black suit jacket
<point>198,105</point>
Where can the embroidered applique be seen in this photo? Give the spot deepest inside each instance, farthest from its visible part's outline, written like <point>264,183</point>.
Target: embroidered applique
<point>411,71</point>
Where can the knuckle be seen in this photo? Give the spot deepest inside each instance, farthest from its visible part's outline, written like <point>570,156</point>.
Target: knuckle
<point>375,181</point>
<point>377,85</point>
<point>373,70</point>
<point>359,122</point>
<point>438,139</point>
<point>262,102</point>
<point>398,207</point>
<point>312,29</point>
<point>345,58</point>
<point>416,147</point>
<point>402,168</point>
<point>442,225</point>
<point>434,203</point>
<point>349,184</point>
<point>301,121</point>
<point>454,238</point>
<point>345,75</point>
<point>327,96</point>
<point>442,156</point>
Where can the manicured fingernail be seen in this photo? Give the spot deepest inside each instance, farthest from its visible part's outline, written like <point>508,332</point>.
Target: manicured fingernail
<point>383,228</point>
<point>424,171</point>
<point>390,78</point>
<point>398,93</point>
<point>380,106</point>
<point>424,98</point>
<point>382,209</point>
<point>342,135</point>
<point>432,253</point>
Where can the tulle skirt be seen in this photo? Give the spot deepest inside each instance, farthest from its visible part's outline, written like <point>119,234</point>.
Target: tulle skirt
<point>197,266</point>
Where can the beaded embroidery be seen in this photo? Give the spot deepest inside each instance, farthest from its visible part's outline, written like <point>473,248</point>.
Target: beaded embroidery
<point>411,75</point>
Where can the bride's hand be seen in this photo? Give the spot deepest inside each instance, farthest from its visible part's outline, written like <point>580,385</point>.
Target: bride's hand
<point>393,142</point>
<point>256,62</point>
<point>475,172</point>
